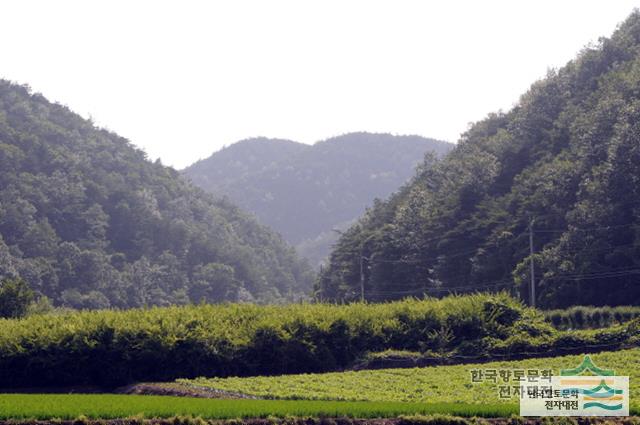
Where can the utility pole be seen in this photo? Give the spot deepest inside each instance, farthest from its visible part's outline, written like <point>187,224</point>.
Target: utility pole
<point>533,271</point>
<point>361,278</point>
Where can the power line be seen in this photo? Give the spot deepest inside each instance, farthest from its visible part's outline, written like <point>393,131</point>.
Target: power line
<point>454,254</point>
<point>457,254</point>
<point>477,250</point>
<point>596,275</point>
<point>374,259</point>
<point>575,229</point>
<point>443,288</point>
<point>504,283</point>
<point>604,248</point>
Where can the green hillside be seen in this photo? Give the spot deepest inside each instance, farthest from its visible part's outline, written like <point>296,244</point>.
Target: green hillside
<point>88,221</point>
<point>565,159</point>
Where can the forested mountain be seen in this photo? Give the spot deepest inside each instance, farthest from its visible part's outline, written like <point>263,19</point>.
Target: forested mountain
<point>566,158</point>
<point>240,161</point>
<point>88,221</point>
<point>305,192</point>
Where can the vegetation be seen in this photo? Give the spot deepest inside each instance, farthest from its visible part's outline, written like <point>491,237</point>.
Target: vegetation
<point>566,159</point>
<point>109,406</point>
<point>115,347</point>
<point>364,394</point>
<point>110,348</point>
<point>412,419</point>
<point>580,317</point>
<point>15,298</point>
<point>87,221</point>
<point>304,192</point>
<point>441,384</point>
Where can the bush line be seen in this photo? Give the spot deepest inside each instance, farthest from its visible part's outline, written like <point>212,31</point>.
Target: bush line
<point>112,348</point>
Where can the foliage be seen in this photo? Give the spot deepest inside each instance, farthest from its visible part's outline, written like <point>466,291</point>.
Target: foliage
<point>111,348</point>
<point>88,221</point>
<point>581,317</point>
<point>441,384</point>
<point>110,406</point>
<point>15,298</point>
<point>566,156</point>
<point>115,347</point>
<point>304,192</point>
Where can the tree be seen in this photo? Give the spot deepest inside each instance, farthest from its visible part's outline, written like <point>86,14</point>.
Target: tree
<point>566,157</point>
<point>214,283</point>
<point>89,222</point>
<point>15,298</point>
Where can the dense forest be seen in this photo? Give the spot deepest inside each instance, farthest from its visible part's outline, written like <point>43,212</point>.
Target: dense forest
<point>89,222</point>
<point>306,191</point>
<point>561,168</point>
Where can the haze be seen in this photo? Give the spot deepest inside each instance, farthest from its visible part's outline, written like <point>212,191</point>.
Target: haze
<point>182,79</point>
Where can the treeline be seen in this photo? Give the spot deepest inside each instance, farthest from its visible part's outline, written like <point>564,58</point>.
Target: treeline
<point>116,347</point>
<point>563,164</point>
<point>88,221</point>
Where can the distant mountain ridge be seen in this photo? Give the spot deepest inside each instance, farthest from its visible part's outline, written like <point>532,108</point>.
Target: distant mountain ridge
<point>241,159</point>
<point>306,191</point>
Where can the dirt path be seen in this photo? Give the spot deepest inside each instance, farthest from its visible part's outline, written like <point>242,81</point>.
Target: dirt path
<point>179,390</point>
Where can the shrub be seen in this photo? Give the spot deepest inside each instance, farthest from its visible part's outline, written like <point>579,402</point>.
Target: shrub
<point>112,348</point>
<point>585,317</point>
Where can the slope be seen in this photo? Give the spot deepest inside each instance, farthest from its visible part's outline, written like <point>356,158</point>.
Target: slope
<point>88,221</point>
<point>304,192</point>
<point>565,160</point>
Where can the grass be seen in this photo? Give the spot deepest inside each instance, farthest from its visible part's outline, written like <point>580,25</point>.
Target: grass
<point>364,394</point>
<point>441,384</point>
<point>110,406</point>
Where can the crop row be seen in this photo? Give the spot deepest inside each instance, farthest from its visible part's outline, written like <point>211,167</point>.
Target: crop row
<point>441,384</point>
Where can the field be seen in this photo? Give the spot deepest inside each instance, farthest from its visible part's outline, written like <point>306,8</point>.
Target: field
<point>385,393</point>
<point>109,406</point>
<point>442,384</point>
<point>118,347</point>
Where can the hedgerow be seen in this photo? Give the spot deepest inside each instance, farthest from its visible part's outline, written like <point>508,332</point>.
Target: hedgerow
<point>111,348</point>
<point>586,317</point>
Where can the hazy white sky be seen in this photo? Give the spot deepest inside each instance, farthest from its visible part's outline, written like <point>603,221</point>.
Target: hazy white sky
<point>181,79</point>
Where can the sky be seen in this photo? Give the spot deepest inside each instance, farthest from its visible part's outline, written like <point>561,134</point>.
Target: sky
<point>181,79</point>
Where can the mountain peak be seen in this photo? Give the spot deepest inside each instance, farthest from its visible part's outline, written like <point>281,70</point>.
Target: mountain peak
<point>305,191</point>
